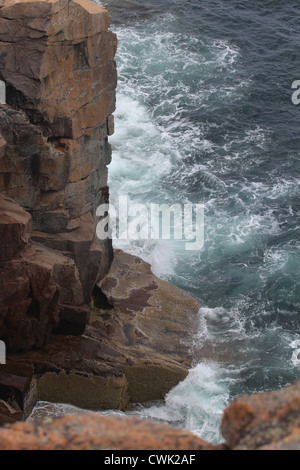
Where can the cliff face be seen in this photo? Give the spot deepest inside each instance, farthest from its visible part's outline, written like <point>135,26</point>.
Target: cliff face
<point>57,61</point>
<point>80,325</point>
<point>131,344</point>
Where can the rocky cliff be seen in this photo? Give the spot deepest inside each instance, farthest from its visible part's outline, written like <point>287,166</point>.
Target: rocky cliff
<point>80,325</point>
<point>57,61</point>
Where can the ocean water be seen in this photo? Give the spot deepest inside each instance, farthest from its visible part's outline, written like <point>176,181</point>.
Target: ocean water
<point>205,116</point>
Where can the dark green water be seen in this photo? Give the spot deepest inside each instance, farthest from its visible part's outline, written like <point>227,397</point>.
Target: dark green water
<point>204,115</point>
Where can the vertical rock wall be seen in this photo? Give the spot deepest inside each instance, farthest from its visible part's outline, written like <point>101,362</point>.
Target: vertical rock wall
<point>57,61</point>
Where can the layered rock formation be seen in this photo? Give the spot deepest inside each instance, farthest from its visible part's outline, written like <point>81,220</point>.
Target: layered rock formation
<point>266,421</point>
<point>269,421</point>
<point>57,61</point>
<point>78,329</point>
<point>135,348</point>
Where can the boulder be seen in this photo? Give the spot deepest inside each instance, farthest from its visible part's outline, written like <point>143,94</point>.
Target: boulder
<point>135,347</point>
<point>95,432</point>
<point>153,325</point>
<point>266,421</point>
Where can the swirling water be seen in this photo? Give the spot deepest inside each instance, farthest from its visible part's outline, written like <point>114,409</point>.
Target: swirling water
<point>204,116</point>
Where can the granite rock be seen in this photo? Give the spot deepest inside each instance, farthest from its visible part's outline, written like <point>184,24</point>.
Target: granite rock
<point>95,432</point>
<point>264,421</point>
<point>57,63</point>
<point>121,358</point>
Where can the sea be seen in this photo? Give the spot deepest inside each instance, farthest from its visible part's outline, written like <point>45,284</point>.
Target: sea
<point>208,113</point>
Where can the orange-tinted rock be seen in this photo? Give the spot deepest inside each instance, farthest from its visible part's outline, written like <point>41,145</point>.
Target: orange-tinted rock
<point>267,420</point>
<point>94,432</point>
<point>289,442</point>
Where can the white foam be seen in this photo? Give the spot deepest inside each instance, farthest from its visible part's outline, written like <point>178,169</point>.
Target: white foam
<point>158,253</point>
<point>46,409</point>
<point>296,353</point>
<point>138,150</point>
<point>219,325</point>
<point>227,53</point>
<point>163,260</point>
<point>195,404</point>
